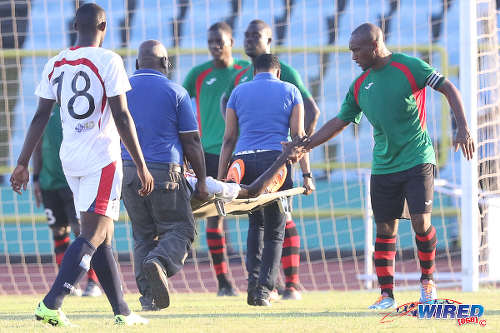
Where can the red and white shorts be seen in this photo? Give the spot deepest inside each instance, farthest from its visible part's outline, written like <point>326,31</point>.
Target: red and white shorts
<point>99,192</point>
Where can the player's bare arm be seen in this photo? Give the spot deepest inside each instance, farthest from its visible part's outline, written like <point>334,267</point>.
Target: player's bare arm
<point>193,152</point>
<point>297,129</point>
<point>20,175</point>
<point>37,167</point>
<point>329,130</point>
<point>311,115</point>
<point>462,138</point>
<point>126,128</point>
<point>288,155</point>
<point>228,143</point>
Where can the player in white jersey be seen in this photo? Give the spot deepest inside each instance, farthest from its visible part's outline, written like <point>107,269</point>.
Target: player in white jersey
<point>89,83</point>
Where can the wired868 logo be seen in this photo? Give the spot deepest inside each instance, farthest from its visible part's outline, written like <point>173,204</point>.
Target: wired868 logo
<point>439,309</point>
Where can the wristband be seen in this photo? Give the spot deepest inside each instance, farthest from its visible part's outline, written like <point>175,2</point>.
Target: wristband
<point>36,177</point>
<point>307,175</point>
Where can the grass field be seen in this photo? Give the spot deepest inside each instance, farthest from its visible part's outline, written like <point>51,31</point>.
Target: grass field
<point>317,312</point>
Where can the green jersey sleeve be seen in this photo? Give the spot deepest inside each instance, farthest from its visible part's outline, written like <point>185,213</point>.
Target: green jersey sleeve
<point>189,83</point>
<point>424,73</point>
<point>350,110</point>
<point>289,74</point>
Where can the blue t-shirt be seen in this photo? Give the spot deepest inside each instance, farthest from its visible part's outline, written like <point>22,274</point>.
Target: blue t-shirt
<point>263,107</point>
<point>161,110</point>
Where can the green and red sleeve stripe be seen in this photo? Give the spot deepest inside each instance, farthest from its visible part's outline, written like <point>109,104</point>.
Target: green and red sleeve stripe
<point>418,94</point>
<point>198,83</point>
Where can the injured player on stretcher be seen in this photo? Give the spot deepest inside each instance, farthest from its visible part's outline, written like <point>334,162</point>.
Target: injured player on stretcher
<point>270,181</point>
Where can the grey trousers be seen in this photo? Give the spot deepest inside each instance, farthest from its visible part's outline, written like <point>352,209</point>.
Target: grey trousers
<point>162,223</point>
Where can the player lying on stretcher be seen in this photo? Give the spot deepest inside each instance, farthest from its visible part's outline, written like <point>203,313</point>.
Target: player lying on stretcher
<point>270,181</point>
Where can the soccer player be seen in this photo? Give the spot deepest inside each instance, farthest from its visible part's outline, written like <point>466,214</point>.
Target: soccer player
<point>89,84</point>
<point>51,188</point>
<point>391,94</point>
<point>258,144</point>
<point>258,39</point>
<point>163,223</point>
<point>206,83</point>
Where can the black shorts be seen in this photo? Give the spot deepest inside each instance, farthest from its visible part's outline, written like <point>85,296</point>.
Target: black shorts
<point>59,207</point>
<point>394,195</point>
<point>212,164</point>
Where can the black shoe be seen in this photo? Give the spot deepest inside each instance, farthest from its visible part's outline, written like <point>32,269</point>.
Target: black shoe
<point>262,296</point>
<point>262,301</point>
<point>157,278</point>
<point>148,304</point>
<point>291,294</point>
<point>251,295</point>
<point>227,290</point>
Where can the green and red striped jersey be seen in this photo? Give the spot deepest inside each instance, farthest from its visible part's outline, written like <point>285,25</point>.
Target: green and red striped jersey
<point>393,100</point>
<point>206,84</point>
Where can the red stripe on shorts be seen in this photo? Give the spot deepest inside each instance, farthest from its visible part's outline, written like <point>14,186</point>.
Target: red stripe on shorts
<point>104,190</point>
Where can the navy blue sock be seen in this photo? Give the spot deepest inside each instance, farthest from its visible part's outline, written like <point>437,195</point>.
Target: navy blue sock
<point>74,266</point>
<point>104,265</point>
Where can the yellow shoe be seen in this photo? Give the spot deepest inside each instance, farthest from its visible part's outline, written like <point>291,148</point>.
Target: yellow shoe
<point>52,317</point>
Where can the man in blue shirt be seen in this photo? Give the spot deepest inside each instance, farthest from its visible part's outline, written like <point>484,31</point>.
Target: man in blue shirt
<point>264,111</point>
<point>162,223</point>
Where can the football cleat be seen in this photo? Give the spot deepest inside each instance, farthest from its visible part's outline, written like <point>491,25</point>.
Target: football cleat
<point>291,294</point>
<point>130,320</point>
<point>274,295</point>
<point>157,278</point>
<point>76,291</point>
<point>227,291</point>
<point>236,171</point>
<point>92,290</point>
<point>52,317</point>
<point>384,302</point>
<point>428,291</point>
<point>277,180</point>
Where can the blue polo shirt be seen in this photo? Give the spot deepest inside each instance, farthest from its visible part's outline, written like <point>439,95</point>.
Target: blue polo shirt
<point>263,107</point>
<point>161,109</point>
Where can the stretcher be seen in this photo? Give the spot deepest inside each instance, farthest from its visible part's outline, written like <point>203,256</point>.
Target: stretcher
<point>216,207</point>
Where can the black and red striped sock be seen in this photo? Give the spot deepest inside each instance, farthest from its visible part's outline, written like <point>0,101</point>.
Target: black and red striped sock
<point>217,247</point>
<point>61,243</point>
<point>385,253</point>
<point>426,245</point>
<point>290,259</point>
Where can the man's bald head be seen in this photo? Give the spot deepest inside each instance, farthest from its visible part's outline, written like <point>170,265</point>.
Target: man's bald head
<point>153,55</point>
<point>368,32</point>
<point>258,38</point>
<point>367,46</point>
<point>261,26</point>
<point>89,18</point>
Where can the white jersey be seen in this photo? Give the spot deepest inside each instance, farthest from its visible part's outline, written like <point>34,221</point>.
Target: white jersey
<point>81,79</point>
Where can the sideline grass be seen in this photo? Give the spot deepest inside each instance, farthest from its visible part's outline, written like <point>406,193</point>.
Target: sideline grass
<point>317,312</point>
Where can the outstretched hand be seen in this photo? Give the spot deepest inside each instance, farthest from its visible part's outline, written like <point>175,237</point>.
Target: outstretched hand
<point>19,178</point>
<point>294,150</point>
<point>464,141</point>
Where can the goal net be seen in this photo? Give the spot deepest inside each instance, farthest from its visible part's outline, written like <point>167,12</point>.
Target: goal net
<point>334,223</point>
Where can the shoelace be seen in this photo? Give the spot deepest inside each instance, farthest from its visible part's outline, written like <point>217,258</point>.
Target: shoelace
<point>427,290</point>
<point>381,297</point>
